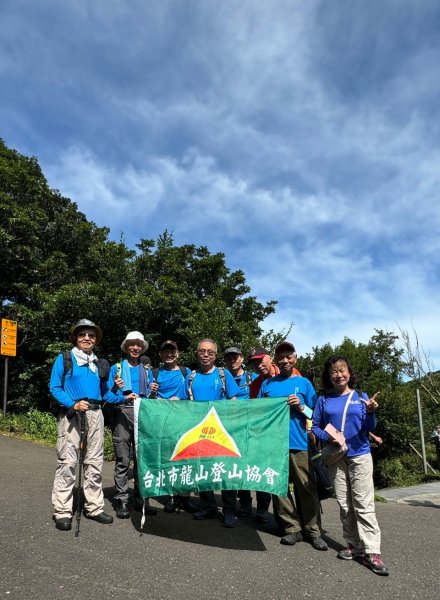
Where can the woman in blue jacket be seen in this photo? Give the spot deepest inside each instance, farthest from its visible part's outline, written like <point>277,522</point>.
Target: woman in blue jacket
<point>352,475</point>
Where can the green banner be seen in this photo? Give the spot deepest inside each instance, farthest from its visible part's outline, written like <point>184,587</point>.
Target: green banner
<point>185,446</point>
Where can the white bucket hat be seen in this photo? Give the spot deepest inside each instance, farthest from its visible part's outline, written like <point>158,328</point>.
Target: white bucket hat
<point>134,335</point>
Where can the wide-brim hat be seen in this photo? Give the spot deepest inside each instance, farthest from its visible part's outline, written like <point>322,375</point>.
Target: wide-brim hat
<point>85,323</point>
<point>135,335</point>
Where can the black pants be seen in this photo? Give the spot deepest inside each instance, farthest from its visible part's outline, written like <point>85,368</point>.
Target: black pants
<point>263,499</point>
<point>229,497</point>
<point>123,442</point>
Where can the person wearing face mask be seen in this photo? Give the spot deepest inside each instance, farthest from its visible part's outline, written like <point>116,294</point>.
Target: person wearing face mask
<point>78,392</point>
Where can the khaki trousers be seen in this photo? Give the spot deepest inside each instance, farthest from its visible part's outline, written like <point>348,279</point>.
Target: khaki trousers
<point>306,514</point>
<point>68,455</point>
<point>354,489</point>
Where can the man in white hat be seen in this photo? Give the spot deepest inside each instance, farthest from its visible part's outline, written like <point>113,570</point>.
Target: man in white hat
<point>128,380</point>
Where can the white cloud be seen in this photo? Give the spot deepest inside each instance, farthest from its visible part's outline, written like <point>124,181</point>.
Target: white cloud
<point>301,141</point>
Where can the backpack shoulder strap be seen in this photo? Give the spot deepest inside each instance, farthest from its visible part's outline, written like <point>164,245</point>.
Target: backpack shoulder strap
<point>103,368</point>
<point>221,372</point>
<point>190,384</point>
<point>183,371</point>
<point>118,369</point>
<point>68,365</point>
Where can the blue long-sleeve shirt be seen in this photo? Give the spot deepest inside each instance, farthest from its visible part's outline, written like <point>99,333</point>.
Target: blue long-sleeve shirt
<point>358,422</point>
<point>79,382</point>
<point>279,386</point>
<point>114,394</point>
<point>209,386</point>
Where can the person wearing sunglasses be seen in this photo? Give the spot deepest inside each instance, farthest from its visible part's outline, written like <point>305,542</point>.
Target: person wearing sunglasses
<point>78,392</point>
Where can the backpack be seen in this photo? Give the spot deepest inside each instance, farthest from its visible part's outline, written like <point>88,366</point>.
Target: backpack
<point>102,364</point>
<point>156,373</point>
<point>103,371</point>
<point>320,474</point>
<point>221,372</point>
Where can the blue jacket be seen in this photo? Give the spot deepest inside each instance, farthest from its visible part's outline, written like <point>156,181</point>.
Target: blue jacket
<point>279,386</point>
<point>358,422</point>
<point>80,382</point>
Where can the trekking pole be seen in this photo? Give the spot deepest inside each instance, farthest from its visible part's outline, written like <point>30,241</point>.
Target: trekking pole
<point>82,444</point>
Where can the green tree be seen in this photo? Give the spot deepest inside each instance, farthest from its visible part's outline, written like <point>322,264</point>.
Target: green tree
<point>59,267</point>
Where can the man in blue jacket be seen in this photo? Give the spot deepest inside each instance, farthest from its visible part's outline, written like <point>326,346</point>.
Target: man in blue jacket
<point>128,380</point>
<point>208,383</point>
<point>302,398</point>
<point>78,393</point>
<point>167,382</point>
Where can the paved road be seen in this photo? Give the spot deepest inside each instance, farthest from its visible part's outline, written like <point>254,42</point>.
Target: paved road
<point>427,494</point>
<point>178,558</point>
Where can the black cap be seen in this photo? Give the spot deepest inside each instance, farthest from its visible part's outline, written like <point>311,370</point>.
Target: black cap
<point>285,345</point>
<point>168,344</point>
<point>233,350</point>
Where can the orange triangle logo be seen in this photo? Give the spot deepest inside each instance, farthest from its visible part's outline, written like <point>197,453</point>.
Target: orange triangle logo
<point>208,438</point>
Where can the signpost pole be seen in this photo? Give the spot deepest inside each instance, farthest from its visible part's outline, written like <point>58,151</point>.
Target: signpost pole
<point>8,347</point>
<point>5,388</point>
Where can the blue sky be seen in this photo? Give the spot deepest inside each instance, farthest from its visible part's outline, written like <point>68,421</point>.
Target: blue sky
<point>299,138</point>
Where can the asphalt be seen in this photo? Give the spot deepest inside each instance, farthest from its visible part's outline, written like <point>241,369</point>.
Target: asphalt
<point>175,557</point>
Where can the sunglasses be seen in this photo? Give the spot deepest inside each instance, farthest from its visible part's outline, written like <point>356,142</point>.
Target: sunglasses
<point>84,334</point>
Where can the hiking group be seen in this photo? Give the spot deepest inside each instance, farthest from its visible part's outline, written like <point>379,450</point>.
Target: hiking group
<point>340,421</point>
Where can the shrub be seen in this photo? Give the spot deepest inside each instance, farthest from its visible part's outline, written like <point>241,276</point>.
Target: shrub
<point>42,427</point>
<point>399,471</point>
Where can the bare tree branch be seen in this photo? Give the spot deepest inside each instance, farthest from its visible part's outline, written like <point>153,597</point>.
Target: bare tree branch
<point>418,365</point>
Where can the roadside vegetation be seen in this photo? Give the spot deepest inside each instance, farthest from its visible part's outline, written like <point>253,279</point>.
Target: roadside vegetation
<point>58,267</point>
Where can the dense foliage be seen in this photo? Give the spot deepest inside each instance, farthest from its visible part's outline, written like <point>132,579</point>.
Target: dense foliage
<point>378,366</point>
<point>58,267</point>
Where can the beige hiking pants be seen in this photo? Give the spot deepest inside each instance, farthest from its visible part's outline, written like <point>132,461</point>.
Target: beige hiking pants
<point>68,457</point>
<point>354,489</point>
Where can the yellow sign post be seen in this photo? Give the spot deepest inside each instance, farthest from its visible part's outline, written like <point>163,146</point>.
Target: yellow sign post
<point>8,346</point>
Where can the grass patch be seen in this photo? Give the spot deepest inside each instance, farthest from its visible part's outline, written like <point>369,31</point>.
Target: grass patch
<point>379,498</point>
<point>41,427</point>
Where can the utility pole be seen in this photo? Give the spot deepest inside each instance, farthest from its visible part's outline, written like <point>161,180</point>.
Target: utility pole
<point>422,435</point>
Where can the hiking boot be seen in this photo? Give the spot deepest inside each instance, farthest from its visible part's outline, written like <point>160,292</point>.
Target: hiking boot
<point>102,518</point>
<point>290,539</point>
<point>229,520</point>
<point>261,516</point>
<point>376,564</point>
<point>63,524</point>
<point>203,515</point>
<point>170,506</point>
<point>350,552</point>
<point>185,503</point>
<point>122,511</point>
<point>318,543</point>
